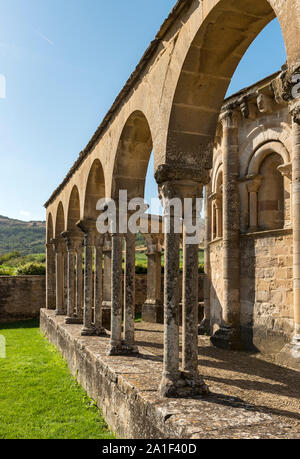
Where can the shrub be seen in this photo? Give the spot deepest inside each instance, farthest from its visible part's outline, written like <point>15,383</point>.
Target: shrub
<point>31,269</point>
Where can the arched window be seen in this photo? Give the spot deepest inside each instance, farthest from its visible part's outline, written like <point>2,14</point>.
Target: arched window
<point>271,194</point>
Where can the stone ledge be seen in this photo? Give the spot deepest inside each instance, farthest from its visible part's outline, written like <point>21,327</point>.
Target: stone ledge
<point>126,390</point>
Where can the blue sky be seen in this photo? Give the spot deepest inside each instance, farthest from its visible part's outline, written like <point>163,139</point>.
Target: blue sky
<point>64,64</point>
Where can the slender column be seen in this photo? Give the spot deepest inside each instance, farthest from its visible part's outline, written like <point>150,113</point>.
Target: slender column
<point>50,277</point>
<point>253,186</point>
<point>106,303</point>
<point>219,218</point>
<point>89,229</point>
<point>79,283</point>
<point>152,309</point>
<point>204,327</point>
<point>115,346</point>
<point>59,277</point>
<point>228,336</point>
<point>129,295</point>
<point>286,172</point>
<point>65,279</point>
<point>98,295</point>
<point>174,382</point>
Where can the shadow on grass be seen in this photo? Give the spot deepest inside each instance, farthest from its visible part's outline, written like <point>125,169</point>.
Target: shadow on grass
<point>22,324</point>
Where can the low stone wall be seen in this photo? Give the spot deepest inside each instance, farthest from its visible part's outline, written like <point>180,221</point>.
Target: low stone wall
<point>21,297</point>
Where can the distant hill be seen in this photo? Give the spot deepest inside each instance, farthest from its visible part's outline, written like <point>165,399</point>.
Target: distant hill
<point>25,237</point>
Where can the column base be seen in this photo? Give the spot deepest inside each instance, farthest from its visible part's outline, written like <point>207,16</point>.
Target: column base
<point>289,356</point>
<point>122,349</point>
<point>185,385</point>
<point>59,313</point>
<point>86,331</point>
<point>153,313</point>
<point>74,321</point>
<point>227,338</point>
<point>204,328</point>
<point>100,331</point>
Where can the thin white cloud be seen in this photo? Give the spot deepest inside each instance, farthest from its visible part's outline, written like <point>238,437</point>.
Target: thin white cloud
<point>43,37</point>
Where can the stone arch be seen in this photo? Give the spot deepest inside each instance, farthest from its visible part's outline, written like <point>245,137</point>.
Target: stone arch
<point>265,150</point>
<point>94,190</point>
<point>50,230</point>
<point>74,209</point>
<point>132,157</point>
<point>213,54</point>
<point>264,135</point>
<point>217,171</point>
<point>60,220</point>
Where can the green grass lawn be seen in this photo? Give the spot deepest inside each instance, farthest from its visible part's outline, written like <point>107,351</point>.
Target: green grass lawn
<point>39,399</point>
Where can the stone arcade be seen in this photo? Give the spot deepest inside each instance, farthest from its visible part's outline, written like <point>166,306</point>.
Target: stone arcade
<point>248,162</point>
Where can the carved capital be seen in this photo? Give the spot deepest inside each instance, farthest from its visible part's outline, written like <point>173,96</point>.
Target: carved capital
<point>230,118</point>
<point>295,113</point>
<point>178,172</point>
<point>286,170</point>
<point>253,183</point>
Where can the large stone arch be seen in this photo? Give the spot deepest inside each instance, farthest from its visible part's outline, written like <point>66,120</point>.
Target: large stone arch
<point>132,157</point>
<point>73,209</point>
<point>60,220</point>
<point>203,62</point>
<point>94,190</point>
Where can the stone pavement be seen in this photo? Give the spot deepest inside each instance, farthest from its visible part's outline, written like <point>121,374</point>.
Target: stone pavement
<point>251,397</point>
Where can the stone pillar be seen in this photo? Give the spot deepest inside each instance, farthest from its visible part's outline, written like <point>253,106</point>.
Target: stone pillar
<point>106,303</point>
<point>50,277</point>
<point>228,336</point>
<point>88,227</point>
<point>98,285</point>
<point>71,240</point>
<point>153,309</point>
<point>115,346</point>
<point>286,172</point>
<point>217,225</point>
<point>174,382</point>
<point>59,271</point>
<point>79,282</point>
<point>65,277</point>
<point>129,295</point>
<point>253,185</point>
<point>290,354</point>
<point>204,327</point>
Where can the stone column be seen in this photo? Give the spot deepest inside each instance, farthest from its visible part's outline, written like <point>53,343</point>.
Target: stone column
<point>216,229</point>
<point>115,346</point>
<point>286,172</point>
<point>79,282</point>
<point>98,286</point>
<point>152,309</point>
<point>228,336</point>
<point>106,303</point>
<point>204,327</point>
<point>253,185</point>
<point>88,227</point>
<point>50,277</point>
<point>59,271</point>
<point>65,278</point>
<point>71,240</point>
<point>129,295</point>
<point>175,382</point>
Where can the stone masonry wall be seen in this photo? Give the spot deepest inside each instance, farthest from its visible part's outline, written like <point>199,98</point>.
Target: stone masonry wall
<point>21,297</point>
<point>267,290</point>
